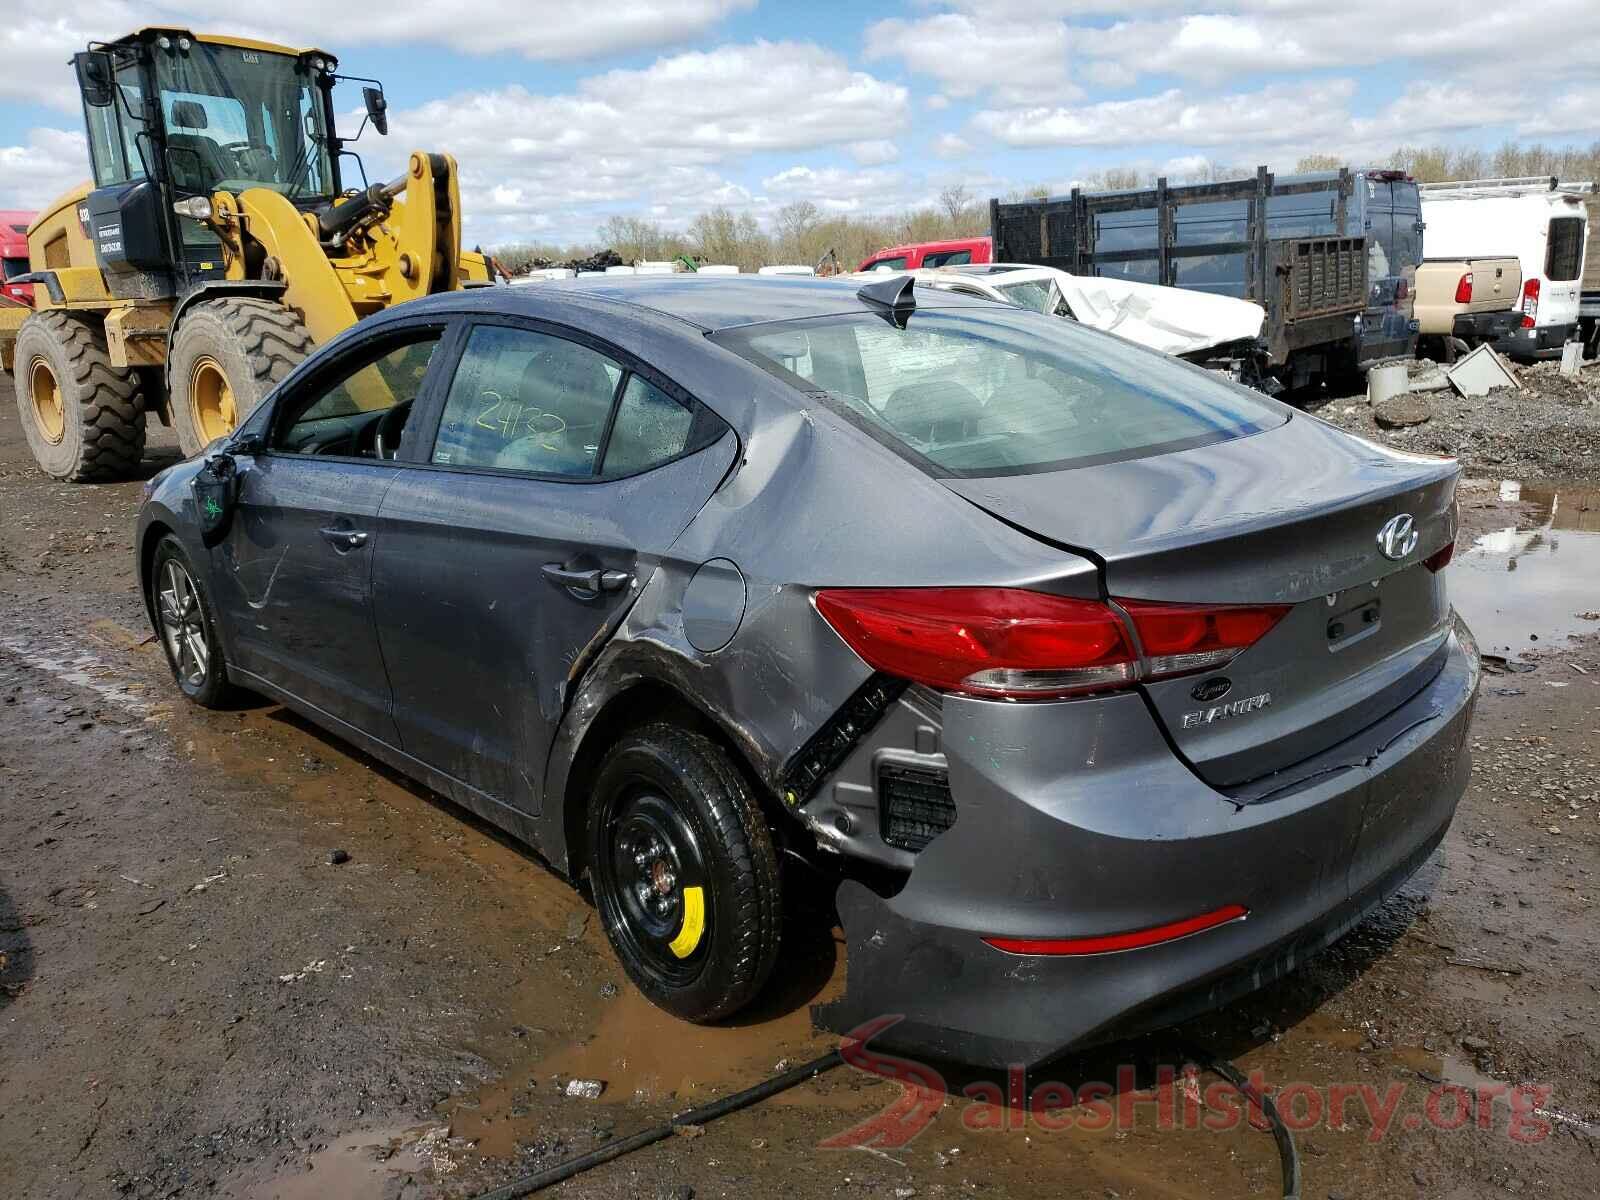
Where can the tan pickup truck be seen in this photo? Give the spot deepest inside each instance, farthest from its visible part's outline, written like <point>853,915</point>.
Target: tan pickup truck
<point>1469,300</point>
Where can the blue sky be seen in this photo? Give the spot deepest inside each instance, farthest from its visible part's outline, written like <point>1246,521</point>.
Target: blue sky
<point>564,112</point>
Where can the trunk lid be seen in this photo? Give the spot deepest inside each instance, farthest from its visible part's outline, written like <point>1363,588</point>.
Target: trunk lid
<point>1288,516</point>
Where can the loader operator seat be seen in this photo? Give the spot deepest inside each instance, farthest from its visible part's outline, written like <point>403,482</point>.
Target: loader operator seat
<point>198,162</point>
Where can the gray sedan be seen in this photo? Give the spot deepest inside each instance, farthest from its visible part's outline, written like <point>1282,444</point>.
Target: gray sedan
<point>1103,689</point>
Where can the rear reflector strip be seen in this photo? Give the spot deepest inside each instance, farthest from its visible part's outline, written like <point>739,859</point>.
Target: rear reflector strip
<point>1110,942</point>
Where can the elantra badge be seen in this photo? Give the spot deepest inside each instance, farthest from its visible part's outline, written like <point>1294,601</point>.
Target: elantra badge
<point>1398,537</point>
<point>1224,712</point>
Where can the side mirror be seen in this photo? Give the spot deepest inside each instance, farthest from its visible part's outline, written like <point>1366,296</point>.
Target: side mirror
<point>216,489</point>
<point>96,77</point>
<point>377,109</point>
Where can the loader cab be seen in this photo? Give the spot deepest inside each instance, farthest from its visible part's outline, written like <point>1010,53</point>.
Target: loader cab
<point>172,117</point>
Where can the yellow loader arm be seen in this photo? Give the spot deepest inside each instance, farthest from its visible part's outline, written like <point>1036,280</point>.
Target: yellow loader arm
<point>394,242</point>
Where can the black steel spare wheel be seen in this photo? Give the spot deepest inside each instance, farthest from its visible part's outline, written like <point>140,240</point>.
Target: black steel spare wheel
<point>684,872</point>
<point>661,886</point>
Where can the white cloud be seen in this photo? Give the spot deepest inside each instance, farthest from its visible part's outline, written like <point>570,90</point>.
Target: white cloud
<point>837,190</point>
<point>664,135</point>
<point>874,153</point>
<point>1239,36</point>
<point>1016,60</point>
<point>1573,112</point>
<point>937,102</point>
<point>51,161</point>
<point>1274,115</point>
<point>951,145</point>
<point>35,47</point>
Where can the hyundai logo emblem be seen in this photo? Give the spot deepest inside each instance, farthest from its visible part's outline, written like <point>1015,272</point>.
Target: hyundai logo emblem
<point>1398,537</point>
<point>1214,688</point>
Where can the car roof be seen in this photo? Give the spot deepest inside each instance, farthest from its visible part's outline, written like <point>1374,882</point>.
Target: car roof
<point>710,303</point>
<point>944,244</point>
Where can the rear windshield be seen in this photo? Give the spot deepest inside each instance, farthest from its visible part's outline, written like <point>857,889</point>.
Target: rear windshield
<point>1000,391</point>
<point>1563,260</point>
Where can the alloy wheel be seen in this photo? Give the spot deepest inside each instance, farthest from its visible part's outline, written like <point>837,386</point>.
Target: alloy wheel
<point>183,626</point>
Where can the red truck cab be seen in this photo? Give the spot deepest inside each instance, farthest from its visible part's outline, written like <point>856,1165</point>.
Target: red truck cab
<point>955,253</point>
<point>14,256</point>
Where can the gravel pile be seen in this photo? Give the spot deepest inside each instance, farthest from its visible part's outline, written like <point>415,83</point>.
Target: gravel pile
<point>1549,428</point>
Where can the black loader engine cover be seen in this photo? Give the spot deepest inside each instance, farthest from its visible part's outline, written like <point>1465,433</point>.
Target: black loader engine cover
<point>128,229</point>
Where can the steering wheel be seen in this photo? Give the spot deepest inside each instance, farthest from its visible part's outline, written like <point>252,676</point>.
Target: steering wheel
<point>387,431</point>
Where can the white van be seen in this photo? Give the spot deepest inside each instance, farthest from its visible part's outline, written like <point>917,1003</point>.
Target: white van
<point>1542,224</point>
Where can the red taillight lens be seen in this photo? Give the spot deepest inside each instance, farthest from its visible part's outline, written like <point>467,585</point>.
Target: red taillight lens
<point>1440,559</point>
<point>1025,645</point>
<point>1464,289</point>
<point>984,641</point>
<point>1179,638</point>
<point>1530,303</point>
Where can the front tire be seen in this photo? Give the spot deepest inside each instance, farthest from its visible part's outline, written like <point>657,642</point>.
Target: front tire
<point>684,873</point>
<point>227,355</point>
<point>83,418</point>
<point>186,628</point>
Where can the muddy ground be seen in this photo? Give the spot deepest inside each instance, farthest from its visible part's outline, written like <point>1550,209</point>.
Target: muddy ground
<point>195,1001</point>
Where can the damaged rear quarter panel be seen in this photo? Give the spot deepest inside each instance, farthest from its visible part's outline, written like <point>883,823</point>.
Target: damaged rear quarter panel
<point>801,510</point>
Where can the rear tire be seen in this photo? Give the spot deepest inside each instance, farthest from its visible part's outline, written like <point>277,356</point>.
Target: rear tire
<point>670,812</point>
<point>227,355</point>
<point>186,628</point>
<point>83,418</point>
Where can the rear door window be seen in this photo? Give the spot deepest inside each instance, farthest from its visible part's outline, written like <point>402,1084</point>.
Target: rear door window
<point>1563,260</point>
<point>534,402</point>
<point>527,401</point>
<point>1001,391</point>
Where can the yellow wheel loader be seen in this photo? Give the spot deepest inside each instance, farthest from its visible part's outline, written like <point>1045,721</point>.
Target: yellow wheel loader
<point>217,243</point>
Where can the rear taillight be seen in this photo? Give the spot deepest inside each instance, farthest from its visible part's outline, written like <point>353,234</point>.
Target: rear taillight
<point>1024,645</point>
<point>1179,638</point>
<point>1530,303</point>
<point>985,641</point>
<point>1464,289</point>
<point>1440,559</point>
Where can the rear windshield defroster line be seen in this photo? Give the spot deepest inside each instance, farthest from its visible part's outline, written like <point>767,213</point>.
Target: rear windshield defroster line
<point>974,393</point>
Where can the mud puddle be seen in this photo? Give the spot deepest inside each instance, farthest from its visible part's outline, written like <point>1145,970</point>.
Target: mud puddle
<point>364,1165</point>
<point>1531,582</point>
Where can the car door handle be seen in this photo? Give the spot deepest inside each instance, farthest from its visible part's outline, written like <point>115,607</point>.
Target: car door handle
<point>344,539</point>
<point>592,581</point>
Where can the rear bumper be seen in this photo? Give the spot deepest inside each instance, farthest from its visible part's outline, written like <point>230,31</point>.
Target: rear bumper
<point>1070,827</point>
<point>1486,326</point>
<point>1544,341</point>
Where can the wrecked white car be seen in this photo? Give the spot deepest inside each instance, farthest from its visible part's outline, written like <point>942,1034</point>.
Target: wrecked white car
<point>1219,332</point>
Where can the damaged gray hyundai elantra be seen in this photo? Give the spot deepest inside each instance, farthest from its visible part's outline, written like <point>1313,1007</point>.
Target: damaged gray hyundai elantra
<point>1104,689</point>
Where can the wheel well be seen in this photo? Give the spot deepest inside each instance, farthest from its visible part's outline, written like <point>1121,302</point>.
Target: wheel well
<point>147,553</point>
<point>646,702</point>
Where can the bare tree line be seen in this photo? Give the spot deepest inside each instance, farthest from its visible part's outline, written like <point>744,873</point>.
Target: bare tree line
<point>803,232</point>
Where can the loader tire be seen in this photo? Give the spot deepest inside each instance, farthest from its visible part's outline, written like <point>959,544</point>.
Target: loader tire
<point>83,418</point>
<point>227,355</point>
